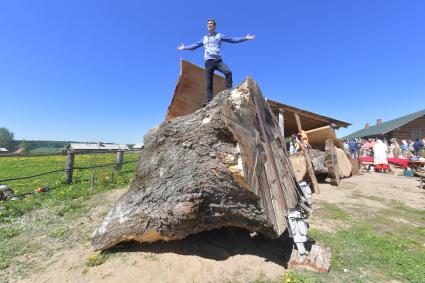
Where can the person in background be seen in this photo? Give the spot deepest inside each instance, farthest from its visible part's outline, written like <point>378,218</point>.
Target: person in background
<point>394,149</point>
<point>380,156</point>
<point>417,146</point>
<point>368,147</point>
<point>404,146</point>
<point>411,148</point>
<point>346,146</point>
<point>353,148</point>
<point>362,148</point>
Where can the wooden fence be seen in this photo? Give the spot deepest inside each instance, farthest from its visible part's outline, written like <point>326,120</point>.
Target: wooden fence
<point>69,166</point>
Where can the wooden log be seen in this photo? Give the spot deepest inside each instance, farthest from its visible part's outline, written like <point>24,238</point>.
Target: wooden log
<point>355,164</point>
<point>318,259</point>
<point>300,166</point>
<point>318,161</point>
<point>219,166</point>
<point>344,164</point>
<point>331,161</point>
<point>69,167</point>
<point>310,170</point>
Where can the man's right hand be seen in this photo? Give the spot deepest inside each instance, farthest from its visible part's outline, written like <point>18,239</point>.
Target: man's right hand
<point>180,47</point>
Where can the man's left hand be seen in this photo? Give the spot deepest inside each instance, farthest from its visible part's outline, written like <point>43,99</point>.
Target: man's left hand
<point>250,37</point>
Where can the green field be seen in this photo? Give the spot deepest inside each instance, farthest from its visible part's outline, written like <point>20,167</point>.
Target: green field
<point>105,178</point>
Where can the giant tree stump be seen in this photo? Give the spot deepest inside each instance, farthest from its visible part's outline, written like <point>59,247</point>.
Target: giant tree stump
<point>223,165</point>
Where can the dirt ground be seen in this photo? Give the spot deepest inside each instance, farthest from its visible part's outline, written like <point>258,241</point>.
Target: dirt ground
<point>220,255</point>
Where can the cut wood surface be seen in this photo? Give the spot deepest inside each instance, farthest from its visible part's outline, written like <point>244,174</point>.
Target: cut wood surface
<point>317,137</point>
<point>344,164</point>
<point>299,165</point>
<point>207,170</point>
<point>190,92</point>
<point>318,259</point>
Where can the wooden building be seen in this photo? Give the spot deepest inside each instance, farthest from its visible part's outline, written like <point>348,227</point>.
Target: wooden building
<point>96,147</point>
<point>411,126</point>
<point>309,120</point>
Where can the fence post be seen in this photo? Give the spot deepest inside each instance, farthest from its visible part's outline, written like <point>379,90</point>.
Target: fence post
<point>119,160</point>
<point>92,182</point>
<point>69,167</point>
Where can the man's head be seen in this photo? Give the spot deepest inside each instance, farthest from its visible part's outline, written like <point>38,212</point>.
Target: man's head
<point>211,25</point>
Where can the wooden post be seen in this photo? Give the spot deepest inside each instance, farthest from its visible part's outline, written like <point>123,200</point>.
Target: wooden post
<point>331,161</point>
<point>119,160</point>
<point>69,167</point>
<point>282,122</point>
<point>310,170</point>
<point>92,181</point>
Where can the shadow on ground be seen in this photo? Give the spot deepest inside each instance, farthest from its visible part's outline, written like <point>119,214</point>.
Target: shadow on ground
<point>218,244</point>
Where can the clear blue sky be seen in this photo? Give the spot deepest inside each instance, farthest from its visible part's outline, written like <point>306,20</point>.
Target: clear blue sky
<point>105,70</point>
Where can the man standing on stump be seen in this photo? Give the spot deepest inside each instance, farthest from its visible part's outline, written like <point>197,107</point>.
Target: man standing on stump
<point>213,61</point>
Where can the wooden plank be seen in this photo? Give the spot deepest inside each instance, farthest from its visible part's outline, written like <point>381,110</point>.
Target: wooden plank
<point>282,123</point>
<point>331,161</point>
<point>278,190</point>
<point>308,159</point>
<point>317,137</point>
<point>190,92</point>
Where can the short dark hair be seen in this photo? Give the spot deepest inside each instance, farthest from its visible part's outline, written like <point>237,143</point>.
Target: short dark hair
<point>211,20</point>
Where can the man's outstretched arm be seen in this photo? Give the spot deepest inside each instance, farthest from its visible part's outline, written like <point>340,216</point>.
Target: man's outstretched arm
<point>191,46</point>
<point>230,39</point>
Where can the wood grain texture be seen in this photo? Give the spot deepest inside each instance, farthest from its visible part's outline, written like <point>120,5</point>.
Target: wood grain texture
<point>207,170</point>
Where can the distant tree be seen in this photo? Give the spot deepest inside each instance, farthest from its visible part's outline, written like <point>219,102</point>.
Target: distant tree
<point>6,139</point>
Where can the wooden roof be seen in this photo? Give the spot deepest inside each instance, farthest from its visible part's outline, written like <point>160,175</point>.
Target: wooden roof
<point>386,127</point>
<point>309,120</point>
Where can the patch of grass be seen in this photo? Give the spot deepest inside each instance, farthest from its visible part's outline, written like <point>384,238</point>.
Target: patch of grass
<point>25,223</point>
<point>358,194</point>
<point>408,212</point>
<point>8,232</point>
<point>74,207</point>
<point>59,232</point>
<point>10,252</point>
<point>334,212</point>
<point>106,178</point>
<point>97,259</point>
<point>361,248</point>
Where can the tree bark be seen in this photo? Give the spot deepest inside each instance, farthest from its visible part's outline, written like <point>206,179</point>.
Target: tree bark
<point>222,165</point>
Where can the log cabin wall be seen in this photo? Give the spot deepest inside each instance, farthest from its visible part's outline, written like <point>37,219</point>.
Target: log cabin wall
<point>405,132</point>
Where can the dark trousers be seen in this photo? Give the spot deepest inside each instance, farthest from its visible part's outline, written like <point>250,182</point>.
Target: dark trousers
<point>210,66</point>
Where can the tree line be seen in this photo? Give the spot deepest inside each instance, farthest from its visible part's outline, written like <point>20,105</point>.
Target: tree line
<point>7,140</point>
